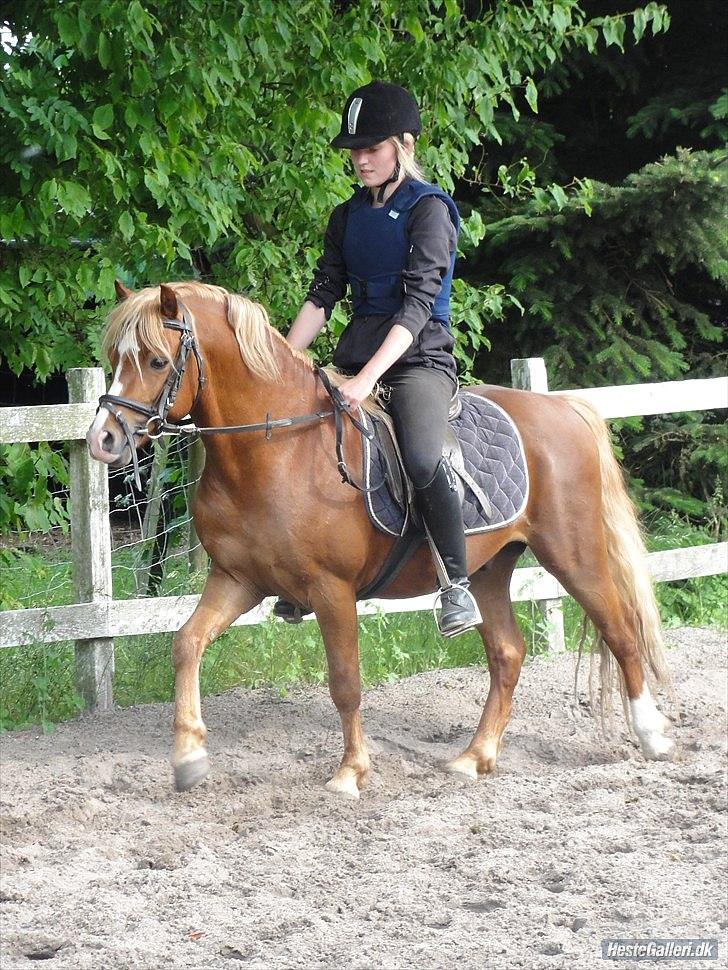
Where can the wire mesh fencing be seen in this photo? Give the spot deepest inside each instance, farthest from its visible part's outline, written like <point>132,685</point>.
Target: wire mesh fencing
<point>154,547</point>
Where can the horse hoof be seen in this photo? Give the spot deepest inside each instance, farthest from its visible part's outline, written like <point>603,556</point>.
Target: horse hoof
<point>190,770</point>
<point>343,785</point>
<point>464,766</point>
<point>656,747</point>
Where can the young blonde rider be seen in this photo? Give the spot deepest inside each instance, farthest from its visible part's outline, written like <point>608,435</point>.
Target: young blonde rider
<point>393,244</point>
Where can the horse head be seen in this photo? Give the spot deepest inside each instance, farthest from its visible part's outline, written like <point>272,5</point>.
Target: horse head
<point>149,339</point>
<point>161,361</point>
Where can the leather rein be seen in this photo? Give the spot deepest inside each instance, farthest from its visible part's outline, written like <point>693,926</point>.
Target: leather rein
<point>156,414</point>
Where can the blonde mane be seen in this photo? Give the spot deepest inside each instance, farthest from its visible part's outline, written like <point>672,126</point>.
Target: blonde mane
<point>136,324</point>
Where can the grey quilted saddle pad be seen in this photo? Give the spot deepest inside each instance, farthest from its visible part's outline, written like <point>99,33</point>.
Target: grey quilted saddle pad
<point>493,457</point>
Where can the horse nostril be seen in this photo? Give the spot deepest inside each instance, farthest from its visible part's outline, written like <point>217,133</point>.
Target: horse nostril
<point>107,441</point>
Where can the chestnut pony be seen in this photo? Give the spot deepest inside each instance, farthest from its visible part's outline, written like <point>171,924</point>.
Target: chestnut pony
<point>276,519</point>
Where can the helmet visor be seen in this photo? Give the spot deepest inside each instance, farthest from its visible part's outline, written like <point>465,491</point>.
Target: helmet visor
<point>358,141</point>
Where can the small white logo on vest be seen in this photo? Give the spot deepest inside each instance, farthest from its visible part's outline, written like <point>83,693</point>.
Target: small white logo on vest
<point>393,214</point>
<point>353,116</point>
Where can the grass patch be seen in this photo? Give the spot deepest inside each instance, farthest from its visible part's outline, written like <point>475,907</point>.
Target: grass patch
<point>37,682</point>
<point>687,602</point>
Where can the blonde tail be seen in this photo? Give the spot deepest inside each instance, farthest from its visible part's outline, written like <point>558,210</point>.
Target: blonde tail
<point>627,558</point>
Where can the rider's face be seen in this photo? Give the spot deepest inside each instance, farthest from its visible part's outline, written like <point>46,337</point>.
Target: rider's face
<point>374,165</point>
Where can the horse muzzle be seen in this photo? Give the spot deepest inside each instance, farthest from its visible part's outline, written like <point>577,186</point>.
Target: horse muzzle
<point>108,446</point>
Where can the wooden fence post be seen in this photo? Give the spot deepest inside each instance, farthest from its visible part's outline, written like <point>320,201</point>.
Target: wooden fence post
<point>529,374</point>
<point>91,546</point>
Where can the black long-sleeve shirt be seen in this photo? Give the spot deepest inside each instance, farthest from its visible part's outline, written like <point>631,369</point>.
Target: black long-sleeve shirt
<point>432,238</point>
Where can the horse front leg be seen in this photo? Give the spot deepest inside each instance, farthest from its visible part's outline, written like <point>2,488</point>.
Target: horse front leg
<point>505,649</point>
<point>223,600</point>
<point>335,608</point>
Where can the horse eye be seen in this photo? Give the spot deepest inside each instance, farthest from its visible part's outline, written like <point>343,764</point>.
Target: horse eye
<point>158,363</point>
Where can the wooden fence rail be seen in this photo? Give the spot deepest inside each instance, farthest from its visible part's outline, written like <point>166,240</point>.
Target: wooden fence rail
<point>97,618</point>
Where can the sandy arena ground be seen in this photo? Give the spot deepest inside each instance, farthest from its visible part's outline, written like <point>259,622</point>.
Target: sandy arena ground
<point>574,839</point>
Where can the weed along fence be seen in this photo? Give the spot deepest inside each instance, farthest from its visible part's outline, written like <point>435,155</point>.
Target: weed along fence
<point>96,618</point>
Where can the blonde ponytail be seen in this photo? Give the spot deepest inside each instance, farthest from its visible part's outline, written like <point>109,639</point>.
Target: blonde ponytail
<point>406,157</point>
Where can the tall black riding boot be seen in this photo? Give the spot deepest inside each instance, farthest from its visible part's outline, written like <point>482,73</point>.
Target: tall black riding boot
<point>439,504</point>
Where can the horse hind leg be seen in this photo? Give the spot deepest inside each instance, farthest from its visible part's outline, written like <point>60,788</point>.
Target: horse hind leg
<point>651,725</point>
<point>618,625</point>
<point>505,649</point>
<point>223,601</point>
<point>595,548</point>
<point>588,578</point>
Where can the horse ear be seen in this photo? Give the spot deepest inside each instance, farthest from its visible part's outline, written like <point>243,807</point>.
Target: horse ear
<point>168,301</point>
<point>122,292</point>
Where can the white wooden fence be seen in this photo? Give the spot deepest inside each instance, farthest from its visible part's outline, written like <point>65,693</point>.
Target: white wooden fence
<point>96,618</point>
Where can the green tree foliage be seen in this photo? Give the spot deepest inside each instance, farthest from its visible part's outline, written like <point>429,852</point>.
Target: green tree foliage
<point>605,219</point>
<point>175,138</point>
<point>164,138</point>
<point>32,488</point>
<point>602,289</point>
<point>631,292</point>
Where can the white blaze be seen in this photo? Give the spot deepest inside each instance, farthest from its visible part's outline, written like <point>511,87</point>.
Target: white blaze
<point>116,388</point>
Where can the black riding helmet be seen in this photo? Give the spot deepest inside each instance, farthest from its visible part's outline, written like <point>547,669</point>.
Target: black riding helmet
<point>374,113</point>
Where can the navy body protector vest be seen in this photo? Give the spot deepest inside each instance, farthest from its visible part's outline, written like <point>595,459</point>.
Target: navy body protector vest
<point>376,249</point>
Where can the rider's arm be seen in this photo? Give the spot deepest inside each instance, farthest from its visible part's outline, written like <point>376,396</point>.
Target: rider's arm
<point>432,238</point>
<point>362,384</point>
<point>307,325</point>
<point>327,287</point>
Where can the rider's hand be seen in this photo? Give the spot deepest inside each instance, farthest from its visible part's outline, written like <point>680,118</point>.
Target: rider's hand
<point>356,389</point>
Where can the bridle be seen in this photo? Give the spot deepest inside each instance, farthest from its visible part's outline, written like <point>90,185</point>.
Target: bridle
<point>156,414</point>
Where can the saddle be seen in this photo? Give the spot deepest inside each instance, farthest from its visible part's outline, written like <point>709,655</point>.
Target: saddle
<point>482,447</point>
<point>484,451</point>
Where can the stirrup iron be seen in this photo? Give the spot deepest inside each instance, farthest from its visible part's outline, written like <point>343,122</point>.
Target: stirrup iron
<point>288,612</point>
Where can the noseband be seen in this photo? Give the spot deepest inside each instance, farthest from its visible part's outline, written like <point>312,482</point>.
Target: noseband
<point>157,414</point>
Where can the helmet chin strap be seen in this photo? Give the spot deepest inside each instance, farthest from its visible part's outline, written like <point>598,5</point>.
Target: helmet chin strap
<point>379,197</point>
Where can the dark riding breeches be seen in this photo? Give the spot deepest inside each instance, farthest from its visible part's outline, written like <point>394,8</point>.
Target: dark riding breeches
<point>419,404</point>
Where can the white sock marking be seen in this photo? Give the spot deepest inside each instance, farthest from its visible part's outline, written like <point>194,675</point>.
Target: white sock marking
<point>650,726</point>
